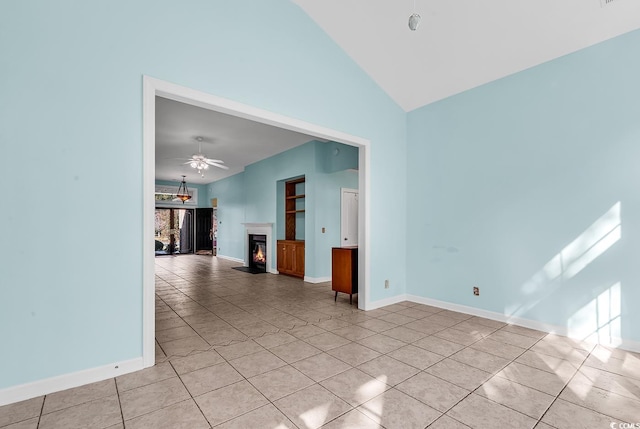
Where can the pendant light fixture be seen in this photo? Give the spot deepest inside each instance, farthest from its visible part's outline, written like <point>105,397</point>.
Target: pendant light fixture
<point>183,192</point>
<point>414,19</point>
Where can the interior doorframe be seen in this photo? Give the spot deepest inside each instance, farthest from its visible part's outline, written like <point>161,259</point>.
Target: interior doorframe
<point>153,87</point>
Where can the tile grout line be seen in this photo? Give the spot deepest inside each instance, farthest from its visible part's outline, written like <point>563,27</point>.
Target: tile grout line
<point>512,361</point>
<point>190,394</point>
<point>464,348</point>
<point>515,382</point>
<point>557,396</point>
<point>567,385</point>
<point>41,410</point>
<point>115,381</point>
<point>446,357</point>
<point>391,357</point>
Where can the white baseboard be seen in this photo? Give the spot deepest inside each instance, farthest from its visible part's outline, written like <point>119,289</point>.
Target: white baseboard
<point>68,381</point>
<point>230,258</point>
<point>629,345</point>
<point>384,302</point>
<point>532,324</point>
<point>620,343</point>
<point>317,279</point>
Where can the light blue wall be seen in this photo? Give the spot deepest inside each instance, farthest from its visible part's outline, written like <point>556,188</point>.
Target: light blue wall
<point>328,201</point>
<point>263,197</point>
<point>503,178</point>
<point>334,157</point>
<point>231,195</point>
<point>72,90</point>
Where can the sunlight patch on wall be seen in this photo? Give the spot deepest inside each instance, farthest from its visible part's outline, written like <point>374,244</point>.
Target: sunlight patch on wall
<point>571,260</point>
<point>596,240</point>
<point>599,320</point>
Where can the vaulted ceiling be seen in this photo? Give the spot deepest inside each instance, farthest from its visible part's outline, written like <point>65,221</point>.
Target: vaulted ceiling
<point>461,44</point>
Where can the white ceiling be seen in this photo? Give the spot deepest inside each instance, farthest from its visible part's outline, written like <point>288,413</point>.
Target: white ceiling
<point>238,142</point>
<point>461,44</point>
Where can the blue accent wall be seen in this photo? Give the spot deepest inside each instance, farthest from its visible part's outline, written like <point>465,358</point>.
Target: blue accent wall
<point>72,91</point>
<point>231,213</point>
<point>527,187</point>
<point>328,202</point>
<point>257,196</point>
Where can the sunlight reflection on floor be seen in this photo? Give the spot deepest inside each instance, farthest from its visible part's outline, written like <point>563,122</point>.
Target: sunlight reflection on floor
<point>315,417</point>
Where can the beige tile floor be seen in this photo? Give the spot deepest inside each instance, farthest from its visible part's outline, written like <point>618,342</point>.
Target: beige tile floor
<point>236,350</point>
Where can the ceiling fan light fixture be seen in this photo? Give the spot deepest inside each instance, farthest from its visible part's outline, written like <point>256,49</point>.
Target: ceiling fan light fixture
<point>200,162</point>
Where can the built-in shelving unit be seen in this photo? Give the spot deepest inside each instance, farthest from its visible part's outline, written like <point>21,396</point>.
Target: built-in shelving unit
<point>294,204</point>
<point>290,250</point>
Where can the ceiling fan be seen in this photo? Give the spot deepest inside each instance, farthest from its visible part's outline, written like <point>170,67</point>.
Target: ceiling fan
<point>201,162</point>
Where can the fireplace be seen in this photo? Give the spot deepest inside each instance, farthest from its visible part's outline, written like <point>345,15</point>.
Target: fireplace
<point>265,233</point>
<point>257,256</point>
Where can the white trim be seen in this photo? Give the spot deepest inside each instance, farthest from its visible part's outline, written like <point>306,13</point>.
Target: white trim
<point>387,301</point>
<point>629,345</point>
<point>317,279</point>
<point>527,323</point>
<point>154,87</point>
<point>619,343</point>
<point>364,213</point>
<point>230,258</point>
<point>67,381</point>
<point>148,222</point>
<point>463,309</point>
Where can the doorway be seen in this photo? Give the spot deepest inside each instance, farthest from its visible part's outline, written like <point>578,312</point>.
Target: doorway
<point>349,217</point>
<point>204,231</point>
<point>173,231</point>
<point>151,89</point>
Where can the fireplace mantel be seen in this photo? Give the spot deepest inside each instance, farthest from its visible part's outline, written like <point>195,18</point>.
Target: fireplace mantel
<point>264,228</point>
<point>258,225</point>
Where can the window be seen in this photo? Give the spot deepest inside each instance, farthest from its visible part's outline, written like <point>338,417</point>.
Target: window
<point>166,197</point>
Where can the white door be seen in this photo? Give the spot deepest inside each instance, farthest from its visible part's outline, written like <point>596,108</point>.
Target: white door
<point>349,218</point>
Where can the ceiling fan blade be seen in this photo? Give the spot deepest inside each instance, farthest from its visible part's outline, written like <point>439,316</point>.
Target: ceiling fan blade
<point>213,161</point>
<point>224,167</point>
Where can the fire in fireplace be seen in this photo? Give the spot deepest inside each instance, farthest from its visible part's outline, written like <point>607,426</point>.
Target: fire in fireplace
<point>258,252</point>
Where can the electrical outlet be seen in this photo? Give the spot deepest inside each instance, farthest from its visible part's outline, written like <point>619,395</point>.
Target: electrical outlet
<point>476,291</point>
<point>386,284</point>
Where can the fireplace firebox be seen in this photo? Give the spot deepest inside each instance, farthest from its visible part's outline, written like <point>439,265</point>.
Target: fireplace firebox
<point>257,256</point>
